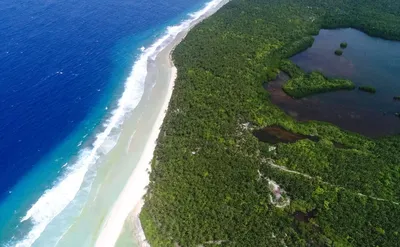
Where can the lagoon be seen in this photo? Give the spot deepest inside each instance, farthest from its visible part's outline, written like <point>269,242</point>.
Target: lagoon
<point>367,61</point>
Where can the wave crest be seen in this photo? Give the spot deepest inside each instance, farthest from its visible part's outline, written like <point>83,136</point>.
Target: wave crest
<point>56,199</point>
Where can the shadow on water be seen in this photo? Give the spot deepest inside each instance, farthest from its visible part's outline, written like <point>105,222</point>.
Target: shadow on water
<point>366,61</point>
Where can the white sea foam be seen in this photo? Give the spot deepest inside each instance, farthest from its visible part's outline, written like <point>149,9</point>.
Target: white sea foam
<point>130,141</point>
<point>56,199</point>
<point>136,185</point>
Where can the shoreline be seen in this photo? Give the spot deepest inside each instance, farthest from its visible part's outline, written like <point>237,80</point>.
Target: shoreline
<point>139,179</point>
<point>130,200</point>
<point>178,221</point>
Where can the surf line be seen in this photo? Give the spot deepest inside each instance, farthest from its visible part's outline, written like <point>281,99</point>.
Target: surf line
<point>131,196</point>
<point>55,199</point>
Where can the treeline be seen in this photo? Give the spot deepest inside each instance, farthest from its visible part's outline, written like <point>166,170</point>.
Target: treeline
<point>302,84</point>
<point>208,185</point>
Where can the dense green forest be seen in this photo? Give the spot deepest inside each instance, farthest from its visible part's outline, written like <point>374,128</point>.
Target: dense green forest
<point>214,184</point>
<point>302,84</point>
<point>313,83</point>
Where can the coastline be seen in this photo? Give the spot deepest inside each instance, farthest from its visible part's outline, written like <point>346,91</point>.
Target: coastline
<point>217,174</point>
<point>213,179</point>
<point>130,201</point>
<point>135,188</point>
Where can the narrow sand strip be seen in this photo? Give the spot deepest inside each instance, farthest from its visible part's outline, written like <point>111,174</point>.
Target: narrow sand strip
<point>131,198</point>
<point>136,186</point>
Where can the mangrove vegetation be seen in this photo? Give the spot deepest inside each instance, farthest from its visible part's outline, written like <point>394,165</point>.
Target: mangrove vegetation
<point>302,84</point>
<point>338,52</point>
<point>213,183</point>
<point>367,89</point>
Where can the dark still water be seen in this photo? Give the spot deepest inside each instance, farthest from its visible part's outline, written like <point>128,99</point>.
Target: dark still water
<point>366,61</point>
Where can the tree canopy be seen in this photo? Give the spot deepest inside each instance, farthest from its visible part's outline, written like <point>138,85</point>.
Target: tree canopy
<point>214,184</point>
<point>302,84</point>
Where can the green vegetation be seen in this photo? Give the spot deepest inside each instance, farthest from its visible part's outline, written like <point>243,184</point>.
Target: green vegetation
<point>338,52</point>
<point>343,45</point>
<point>291,69</point>
<point>367,89</point>
<point>314,83</point>
<point>302,84</point>
<point>211,178</point>
<point>269,74</point>
<point>396,97</point>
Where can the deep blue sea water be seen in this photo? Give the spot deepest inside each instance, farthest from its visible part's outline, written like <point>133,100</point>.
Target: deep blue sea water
<point>63,67</point>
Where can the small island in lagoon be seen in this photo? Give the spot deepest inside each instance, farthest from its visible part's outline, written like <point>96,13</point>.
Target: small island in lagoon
<point>303,84</point>
<point>343,107</point>
<point>338,52</point>
<point>367,89</point>
<point>396,98</point>
<point>210,171</point>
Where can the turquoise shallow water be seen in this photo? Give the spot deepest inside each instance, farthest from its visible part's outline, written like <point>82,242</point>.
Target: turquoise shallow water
<point>64,95</point>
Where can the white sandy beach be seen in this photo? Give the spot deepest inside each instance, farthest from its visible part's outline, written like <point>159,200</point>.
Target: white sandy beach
<point>131,196</point>
<point>130,200</point>
<point>98,196</point>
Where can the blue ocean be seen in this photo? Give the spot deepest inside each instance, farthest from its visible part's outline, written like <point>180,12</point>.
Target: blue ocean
<point>62,72</point>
